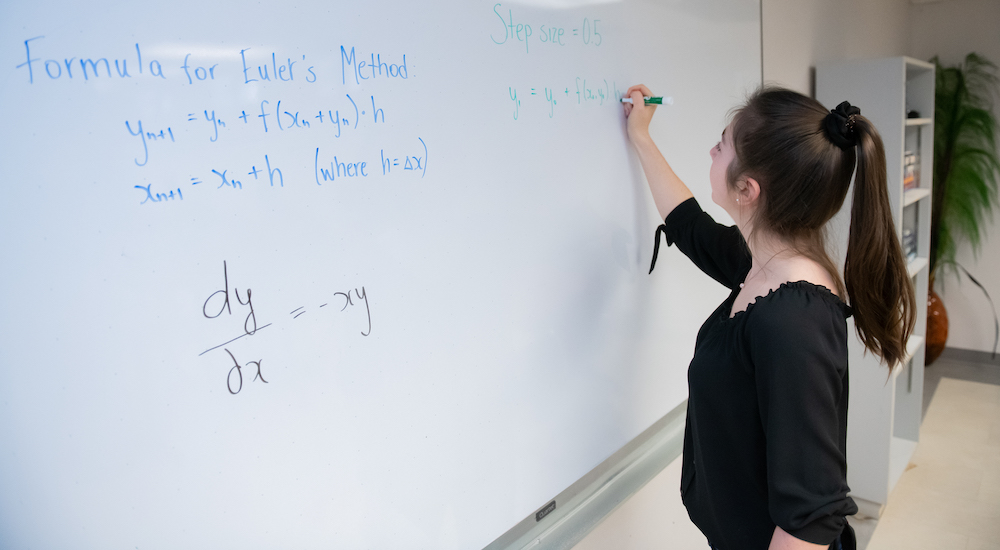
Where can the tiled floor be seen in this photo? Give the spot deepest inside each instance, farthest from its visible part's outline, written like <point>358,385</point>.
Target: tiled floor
<point>950,495</point>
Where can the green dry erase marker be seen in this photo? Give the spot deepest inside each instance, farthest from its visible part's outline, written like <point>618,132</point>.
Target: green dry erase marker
<point>651,100</point>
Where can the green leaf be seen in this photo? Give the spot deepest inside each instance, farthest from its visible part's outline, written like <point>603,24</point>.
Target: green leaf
<point>966,163</point>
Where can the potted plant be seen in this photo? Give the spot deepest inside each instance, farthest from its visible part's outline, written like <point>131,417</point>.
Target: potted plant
<point>966,173</point>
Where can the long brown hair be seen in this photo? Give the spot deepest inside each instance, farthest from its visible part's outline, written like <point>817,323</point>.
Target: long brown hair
<point>804,178</point>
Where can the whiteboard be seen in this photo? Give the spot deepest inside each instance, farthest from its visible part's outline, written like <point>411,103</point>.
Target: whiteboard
<point>338,274</point>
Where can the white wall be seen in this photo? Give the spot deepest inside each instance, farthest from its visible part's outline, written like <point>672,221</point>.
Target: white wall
<point>800,33</point>
<point>950,30</point>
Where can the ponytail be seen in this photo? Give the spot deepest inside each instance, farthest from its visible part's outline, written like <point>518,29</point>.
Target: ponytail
<point>803,157</point>
<point>875,274</point>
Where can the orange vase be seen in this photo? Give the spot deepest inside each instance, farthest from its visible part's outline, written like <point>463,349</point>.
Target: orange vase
<point>937,327</point>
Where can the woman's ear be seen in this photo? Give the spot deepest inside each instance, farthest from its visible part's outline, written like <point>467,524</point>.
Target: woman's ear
<point>748,191</point>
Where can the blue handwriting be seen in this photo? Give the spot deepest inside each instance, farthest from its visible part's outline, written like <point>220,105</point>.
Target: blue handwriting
<point>409,163</point>
<point>86,68</point>
<point>158,197</point>
<point>552,35</point>
<point>148,136</point>
<point>200,73</point>
<point>367,70</point>
<point>274,72</point>
<point>585,92</point>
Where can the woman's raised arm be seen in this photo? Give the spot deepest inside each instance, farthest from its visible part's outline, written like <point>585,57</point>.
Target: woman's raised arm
<point>667,189</point>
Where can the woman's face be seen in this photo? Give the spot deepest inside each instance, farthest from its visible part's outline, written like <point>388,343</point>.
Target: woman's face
<point>722,154</point>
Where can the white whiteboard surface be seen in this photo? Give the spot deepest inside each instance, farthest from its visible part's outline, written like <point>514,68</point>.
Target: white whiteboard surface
<point>453,329</point>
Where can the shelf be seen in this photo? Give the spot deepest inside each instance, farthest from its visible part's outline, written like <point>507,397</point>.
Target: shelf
<point>911,196</point>
<point>912,346</point>
<point>885,414</point>
<point>900,453</point>
<point>916,265</point>
<point>916,66</point>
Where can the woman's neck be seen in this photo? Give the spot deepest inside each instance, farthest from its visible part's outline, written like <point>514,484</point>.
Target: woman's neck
<point>766,246</point>
<point>777,260</point>
<point>772,259</point>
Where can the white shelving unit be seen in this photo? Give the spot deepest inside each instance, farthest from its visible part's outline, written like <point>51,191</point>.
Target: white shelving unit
<point>885,410</point>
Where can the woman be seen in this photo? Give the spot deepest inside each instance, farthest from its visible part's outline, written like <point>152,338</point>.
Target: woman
<point>764,446</point>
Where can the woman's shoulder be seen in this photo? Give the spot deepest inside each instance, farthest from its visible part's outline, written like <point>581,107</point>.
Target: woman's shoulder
<point>804,269</point>
<point>796,325</point>
<point>794,306</point>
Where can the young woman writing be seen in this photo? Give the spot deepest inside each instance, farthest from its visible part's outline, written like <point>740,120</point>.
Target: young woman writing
<point>765,462</point>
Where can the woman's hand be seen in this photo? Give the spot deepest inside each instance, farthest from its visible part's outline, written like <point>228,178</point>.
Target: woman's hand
<point>638,113</point>
<point>668,190</point>
<point>781,540</point>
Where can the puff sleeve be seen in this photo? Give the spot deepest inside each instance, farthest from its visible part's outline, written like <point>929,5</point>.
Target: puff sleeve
<point>799,362</point>
<point>718,250</point>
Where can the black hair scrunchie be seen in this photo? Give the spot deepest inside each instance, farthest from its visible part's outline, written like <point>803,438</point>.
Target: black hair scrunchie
<point>839,125</point>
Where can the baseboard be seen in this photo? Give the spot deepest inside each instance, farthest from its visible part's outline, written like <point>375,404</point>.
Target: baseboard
<point>970,356</point>
<point>867,509</point>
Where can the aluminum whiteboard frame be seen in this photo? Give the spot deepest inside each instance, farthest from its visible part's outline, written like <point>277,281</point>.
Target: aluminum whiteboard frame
<point>583,505</point>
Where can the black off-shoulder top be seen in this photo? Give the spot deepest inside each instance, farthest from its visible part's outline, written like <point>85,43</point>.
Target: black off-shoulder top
<point>766,434</point>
